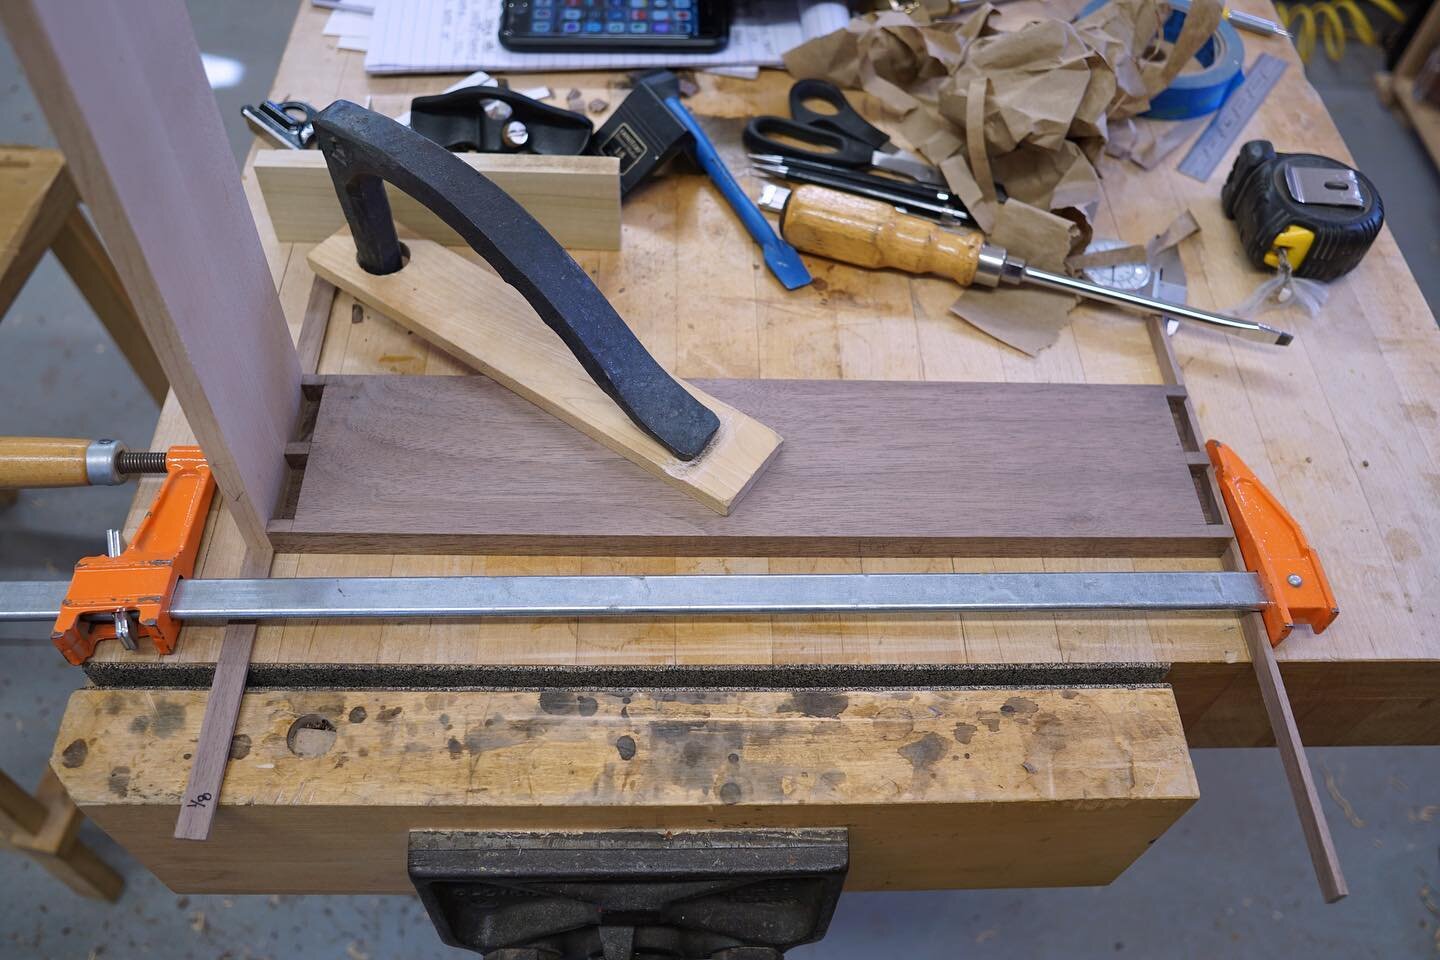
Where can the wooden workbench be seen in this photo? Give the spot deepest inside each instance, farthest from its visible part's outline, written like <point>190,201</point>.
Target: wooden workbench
<point>1342,425</point>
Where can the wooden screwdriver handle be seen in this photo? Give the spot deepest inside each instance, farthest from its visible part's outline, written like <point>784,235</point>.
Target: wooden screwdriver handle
<point>27,462</point>
<point>870,233</point>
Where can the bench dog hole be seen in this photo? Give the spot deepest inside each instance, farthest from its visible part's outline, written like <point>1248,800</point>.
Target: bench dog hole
<point>311,736</point>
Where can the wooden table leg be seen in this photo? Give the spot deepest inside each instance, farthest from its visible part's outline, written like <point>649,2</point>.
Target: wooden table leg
<point>83,256</point>
<point>44,827</point>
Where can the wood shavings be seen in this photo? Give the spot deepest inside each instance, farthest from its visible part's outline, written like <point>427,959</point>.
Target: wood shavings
<point>1333,788</point>
<point>598,105</point>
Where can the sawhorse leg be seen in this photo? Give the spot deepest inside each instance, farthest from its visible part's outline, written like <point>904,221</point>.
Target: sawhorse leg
<point>44,827</point>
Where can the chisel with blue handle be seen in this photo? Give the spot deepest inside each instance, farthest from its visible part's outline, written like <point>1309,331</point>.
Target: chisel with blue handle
<point>780,257</point>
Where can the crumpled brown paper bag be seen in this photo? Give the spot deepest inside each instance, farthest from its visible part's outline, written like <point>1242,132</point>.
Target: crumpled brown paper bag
<point>1028,108</point>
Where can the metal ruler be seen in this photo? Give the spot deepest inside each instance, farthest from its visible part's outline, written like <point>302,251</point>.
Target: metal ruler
<point>1206,153</point>
<point>402,598</point>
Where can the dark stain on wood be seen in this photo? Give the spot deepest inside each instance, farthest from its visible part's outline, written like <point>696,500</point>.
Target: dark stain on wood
<point>1069,694</point>
<point>388,714</point>
<point>564,703</point>
<point>169,718</point>
<point>676,729</point>
<point>815,703</point>
<point>991,719</point>
<point>964,731</point>
<point>1019,709</point>
<point>625,746</point>
<point>119,782</point>
<point>455,748</point>
<point>240,746</point>
<point>74,755</point>
<point>358,715</point>
<point>139,724</point>
<point>730,792</point>
<point>693,753</point>
<point>923,753</point>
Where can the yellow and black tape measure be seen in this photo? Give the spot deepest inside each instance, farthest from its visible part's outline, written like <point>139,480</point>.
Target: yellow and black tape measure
<point>1322,214</point>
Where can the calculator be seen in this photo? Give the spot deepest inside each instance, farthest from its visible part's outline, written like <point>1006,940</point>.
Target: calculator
<point>578,26</point>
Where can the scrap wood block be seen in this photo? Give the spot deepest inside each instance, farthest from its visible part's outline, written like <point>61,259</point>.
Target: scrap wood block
<point>469,312</point>
<point>994,787</point>
<point>577,199</point>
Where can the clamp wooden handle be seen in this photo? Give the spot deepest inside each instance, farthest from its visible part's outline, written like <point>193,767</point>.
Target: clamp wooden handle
<point>870,233</point>
<point>27,462</point>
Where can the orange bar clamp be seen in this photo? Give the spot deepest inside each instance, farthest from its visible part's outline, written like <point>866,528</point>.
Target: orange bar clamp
<point>142,578</point>
<point>1274,548</point>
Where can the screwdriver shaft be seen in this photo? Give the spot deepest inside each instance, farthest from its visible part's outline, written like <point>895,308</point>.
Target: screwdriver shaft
<point>1250,329</point>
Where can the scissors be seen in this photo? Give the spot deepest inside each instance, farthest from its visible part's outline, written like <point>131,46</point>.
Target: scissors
<point>838,136</point>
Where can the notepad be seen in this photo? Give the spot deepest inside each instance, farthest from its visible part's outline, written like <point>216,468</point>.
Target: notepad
<point>456,36</point>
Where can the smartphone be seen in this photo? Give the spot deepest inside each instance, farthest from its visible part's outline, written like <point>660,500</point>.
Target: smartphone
<point>578,26</point>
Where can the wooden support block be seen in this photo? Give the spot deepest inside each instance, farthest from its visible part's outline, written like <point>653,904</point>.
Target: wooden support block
<point>470,313</point>
<point>940,789</point>
<point>576,198</point>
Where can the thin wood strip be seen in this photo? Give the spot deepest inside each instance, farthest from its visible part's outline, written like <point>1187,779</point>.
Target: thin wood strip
<point>312,327</point>
<point>222,706</point>
<point>1313,824</point>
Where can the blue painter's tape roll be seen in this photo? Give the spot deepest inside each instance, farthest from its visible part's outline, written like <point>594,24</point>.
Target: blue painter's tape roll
<point>1196,94</point>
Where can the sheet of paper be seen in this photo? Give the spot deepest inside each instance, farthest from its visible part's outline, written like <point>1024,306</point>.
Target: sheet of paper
<point>348,23</point>
<point>456,36</point>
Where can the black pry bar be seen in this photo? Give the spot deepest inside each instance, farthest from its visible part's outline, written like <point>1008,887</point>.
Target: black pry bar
<point>365,150</point>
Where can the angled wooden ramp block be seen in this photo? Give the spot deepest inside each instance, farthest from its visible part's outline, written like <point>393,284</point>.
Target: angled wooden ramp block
<point>469,312</point>
<point>995,787</point>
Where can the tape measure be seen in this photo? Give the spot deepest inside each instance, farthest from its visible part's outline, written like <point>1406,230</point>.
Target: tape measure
<point>1322,214</point>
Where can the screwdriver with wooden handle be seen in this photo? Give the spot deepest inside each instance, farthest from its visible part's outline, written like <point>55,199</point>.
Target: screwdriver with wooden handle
<point>870,233</point>
<point>32,462</point>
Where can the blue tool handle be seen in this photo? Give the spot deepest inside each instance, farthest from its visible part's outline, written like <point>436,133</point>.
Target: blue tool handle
<point>782,259</point>
<point>710,161</point>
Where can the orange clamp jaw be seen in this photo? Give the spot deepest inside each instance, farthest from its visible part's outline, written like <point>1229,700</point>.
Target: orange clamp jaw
<point>1275,550</point>
<point>142,579</point>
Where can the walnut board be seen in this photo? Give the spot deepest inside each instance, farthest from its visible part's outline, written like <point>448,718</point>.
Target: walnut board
<point>1342,426</point>
<point>993,788</point>
<point>454,464</point>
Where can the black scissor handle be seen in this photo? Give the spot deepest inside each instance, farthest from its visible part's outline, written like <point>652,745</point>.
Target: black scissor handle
<point>841,118</point>
<point>763,135</point>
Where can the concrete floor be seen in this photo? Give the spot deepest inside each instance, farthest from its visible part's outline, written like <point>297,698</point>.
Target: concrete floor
<point>1231,879</point>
